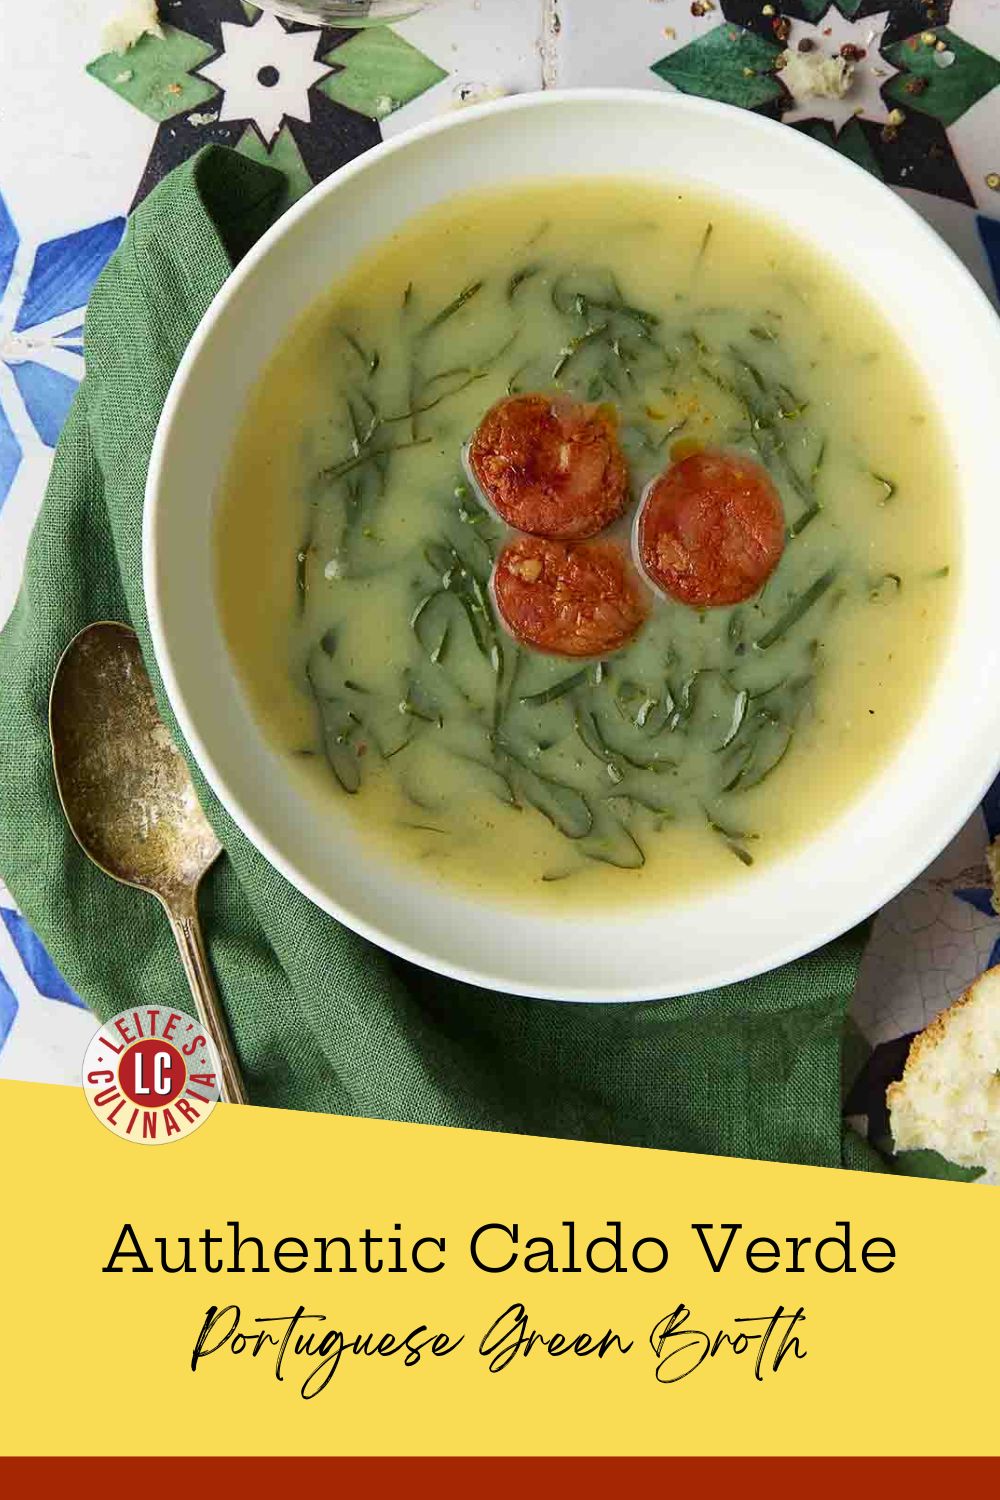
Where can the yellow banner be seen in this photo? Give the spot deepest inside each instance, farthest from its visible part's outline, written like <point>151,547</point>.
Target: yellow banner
<point>279,1283</point>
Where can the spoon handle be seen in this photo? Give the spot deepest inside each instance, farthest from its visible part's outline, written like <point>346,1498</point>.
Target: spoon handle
<point>187,932</point>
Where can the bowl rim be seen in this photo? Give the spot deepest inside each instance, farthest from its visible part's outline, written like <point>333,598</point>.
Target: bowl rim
<point>734,972</point>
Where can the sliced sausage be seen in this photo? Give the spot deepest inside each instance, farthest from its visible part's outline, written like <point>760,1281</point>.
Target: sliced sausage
<point>711,529</point>
<point>550,466</point>
<point>569,599</point>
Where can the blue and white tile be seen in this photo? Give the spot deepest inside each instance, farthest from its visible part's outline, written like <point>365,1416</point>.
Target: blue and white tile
<point>44,289</point>
<point>70,154</point>
<point>44,1026</point>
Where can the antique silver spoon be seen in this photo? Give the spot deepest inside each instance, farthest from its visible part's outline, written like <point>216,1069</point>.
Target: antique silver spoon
<point>131,804</point>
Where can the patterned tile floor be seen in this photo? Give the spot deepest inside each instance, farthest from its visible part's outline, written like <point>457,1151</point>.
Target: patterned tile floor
<point>84,135</point>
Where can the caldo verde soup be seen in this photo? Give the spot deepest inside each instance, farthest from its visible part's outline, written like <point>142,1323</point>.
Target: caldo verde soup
<point>589,541</point>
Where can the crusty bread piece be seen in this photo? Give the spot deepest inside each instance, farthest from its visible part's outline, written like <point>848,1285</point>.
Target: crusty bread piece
<point>136,19</point>
<point>948,1099</point>
<point>993,860</point>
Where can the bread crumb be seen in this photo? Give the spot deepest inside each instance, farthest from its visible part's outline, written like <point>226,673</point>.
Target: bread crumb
<point>948,1099</point>
<point>136,19</point>
<point>993,852</point>
<point>810,75</point>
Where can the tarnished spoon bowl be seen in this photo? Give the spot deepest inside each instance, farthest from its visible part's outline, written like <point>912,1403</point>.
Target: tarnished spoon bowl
<point>130,802</point>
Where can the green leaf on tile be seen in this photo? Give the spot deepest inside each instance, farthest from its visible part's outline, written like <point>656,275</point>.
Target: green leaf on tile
<point>157,76</point>
<point>379,73</point>
<point>726,63</point>
<point>947,91</point>
<point>283,154</point>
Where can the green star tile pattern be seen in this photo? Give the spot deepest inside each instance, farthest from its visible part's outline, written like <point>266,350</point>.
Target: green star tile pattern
<point>815,9</point>
<point>851,142</point>
<point>726,63</point>
<point>157,76</point>
<point>380,73</point>
<point>950,91</point>
<point>283,154</point>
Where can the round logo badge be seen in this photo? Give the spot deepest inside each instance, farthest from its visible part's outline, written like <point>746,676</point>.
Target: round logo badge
<point>151,1075</point>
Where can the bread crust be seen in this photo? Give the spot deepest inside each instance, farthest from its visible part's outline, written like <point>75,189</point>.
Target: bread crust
<point>948,1098</point>
<point>932,1034</point>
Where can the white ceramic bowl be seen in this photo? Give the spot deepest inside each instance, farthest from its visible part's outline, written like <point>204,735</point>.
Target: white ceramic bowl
<point>904,817</point>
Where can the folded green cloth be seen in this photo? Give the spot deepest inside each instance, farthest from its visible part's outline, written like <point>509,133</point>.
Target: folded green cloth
<point>322,1019</point>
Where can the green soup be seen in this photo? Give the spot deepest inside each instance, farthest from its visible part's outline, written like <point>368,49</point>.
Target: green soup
<point>354,557</point>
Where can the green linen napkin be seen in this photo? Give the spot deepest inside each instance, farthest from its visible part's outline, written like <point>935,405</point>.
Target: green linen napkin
<point>322,1019</point>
